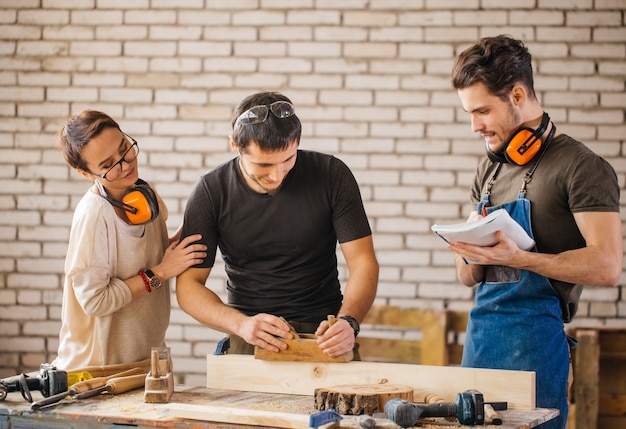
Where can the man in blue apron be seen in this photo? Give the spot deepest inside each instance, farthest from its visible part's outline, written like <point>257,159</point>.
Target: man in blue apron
<point>566,198</point>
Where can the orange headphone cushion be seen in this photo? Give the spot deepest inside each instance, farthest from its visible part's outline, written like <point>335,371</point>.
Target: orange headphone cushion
<point>523,147</point>
<point>144,210</point>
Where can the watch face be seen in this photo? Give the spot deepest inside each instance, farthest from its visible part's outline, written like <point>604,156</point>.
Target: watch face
<point>155,282</point>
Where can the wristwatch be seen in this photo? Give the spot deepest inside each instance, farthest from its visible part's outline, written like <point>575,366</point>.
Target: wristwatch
<point>353,323</point>
<point>154,280</point>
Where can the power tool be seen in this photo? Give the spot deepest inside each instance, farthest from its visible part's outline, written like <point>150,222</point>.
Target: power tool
<point>468,408</point>
<point>49,381</point>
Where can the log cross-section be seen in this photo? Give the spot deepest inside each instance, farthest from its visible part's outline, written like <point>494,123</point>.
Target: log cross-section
<point>356,399</point>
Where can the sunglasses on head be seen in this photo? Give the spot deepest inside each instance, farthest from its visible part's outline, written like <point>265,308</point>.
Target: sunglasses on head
<point>257,114</point>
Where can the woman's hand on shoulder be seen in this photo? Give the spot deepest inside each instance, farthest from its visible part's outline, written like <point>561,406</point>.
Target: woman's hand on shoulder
<point>181,255</point>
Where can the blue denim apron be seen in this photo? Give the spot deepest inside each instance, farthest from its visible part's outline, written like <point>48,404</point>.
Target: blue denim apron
<point>516,323</point>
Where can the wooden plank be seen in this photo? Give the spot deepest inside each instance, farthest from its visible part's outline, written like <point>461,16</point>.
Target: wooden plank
<point>612,376</point>
<point>612,405</point>
<point>240,416</point>
<point>613,341</point>
<point>455,354</point>
<point>511,419</point>
<point>441,332</point>
<point>457,320</point>
<point>390,350</point>
<point>243,372</point>
<point>611,422</point>
<point>586,377</point>
<point>396,316</point>
<point>434,338</point>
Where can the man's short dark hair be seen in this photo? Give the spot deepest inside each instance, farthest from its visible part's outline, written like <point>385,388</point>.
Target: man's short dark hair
<point>273,134</point>
<point>499,63</point>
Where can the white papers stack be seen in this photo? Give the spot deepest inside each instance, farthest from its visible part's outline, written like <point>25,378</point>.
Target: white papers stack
<point>483,231</point>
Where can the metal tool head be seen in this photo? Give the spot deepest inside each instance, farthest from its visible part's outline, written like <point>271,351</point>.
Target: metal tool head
<point>323,417</point>
<point>366,421</point>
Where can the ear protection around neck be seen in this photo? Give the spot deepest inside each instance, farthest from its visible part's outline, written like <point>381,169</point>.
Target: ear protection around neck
<point>522,146</point>
<point>139,202</point>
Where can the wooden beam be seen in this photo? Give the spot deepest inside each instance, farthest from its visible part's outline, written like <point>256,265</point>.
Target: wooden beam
<point>239,416</point>
<point>243,372</point>
<point>586,376</point>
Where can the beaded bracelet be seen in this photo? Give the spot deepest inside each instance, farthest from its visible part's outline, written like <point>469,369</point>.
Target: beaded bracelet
<point>145,280</point>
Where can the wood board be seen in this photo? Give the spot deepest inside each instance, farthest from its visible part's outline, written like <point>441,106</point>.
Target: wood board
<point>226,416</point>
<point>243,372</point>
<point>240,416</point>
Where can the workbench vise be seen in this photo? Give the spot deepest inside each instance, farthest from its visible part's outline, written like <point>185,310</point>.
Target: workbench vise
<point>160,380</point>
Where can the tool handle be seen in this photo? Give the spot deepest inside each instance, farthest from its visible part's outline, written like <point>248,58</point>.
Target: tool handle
<point>440,409</point>
<point>124,384</point>
<point>94,383</point>
<point>115,385</point>
<point>433,398</point>
<point>331,320</point>
<point>104,370</point>
<point>323,417</point>
<point>492,415</point>
<point>154,364</point>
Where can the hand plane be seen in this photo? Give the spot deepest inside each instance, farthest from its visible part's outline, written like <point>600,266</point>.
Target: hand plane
<point>160,379</point>
<point>303,348</point>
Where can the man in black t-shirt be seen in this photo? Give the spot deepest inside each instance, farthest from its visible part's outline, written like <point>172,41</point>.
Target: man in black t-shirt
<point>276,214</point>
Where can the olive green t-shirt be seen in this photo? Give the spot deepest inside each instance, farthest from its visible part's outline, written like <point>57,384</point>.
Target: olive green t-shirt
<point>569,179</point>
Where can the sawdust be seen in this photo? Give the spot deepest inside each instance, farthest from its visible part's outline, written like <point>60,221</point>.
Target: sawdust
<point>275,406</point>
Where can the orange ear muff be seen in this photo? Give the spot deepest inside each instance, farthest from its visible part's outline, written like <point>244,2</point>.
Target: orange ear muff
<point>139,202</point>
<point>142,212</point>
<point>525,143</point>
<point>523,147</point>
<point>143,200</point>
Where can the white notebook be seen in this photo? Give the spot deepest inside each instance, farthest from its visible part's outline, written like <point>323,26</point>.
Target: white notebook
<point>483,231</point>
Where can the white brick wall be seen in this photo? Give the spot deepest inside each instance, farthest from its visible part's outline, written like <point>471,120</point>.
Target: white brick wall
<point>370,80</point>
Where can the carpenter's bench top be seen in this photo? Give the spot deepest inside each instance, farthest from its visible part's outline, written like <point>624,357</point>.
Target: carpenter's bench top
<point>130,409</point>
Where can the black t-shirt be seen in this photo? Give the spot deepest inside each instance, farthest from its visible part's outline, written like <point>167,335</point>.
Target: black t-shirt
<point>280,250</point>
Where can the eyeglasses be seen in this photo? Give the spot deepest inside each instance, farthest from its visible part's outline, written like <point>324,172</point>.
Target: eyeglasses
<point>129,156</point>
<point>257,114</point>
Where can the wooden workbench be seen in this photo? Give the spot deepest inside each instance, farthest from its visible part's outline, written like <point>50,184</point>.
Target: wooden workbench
<point>129,409</point>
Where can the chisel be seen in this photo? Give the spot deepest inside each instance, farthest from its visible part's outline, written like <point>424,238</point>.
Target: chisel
<point>116,385</point>
<point>83,386</point>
